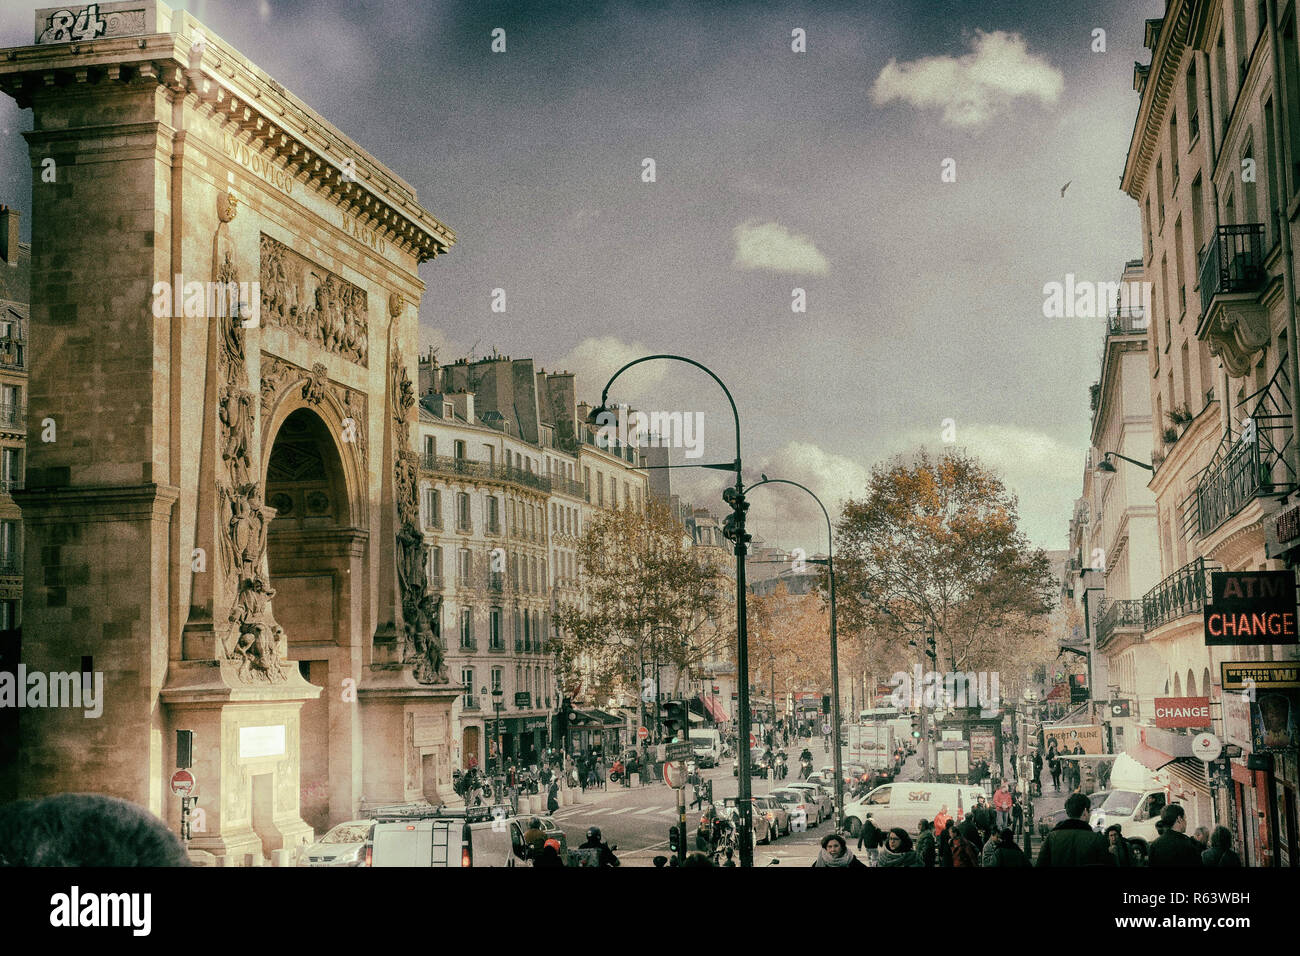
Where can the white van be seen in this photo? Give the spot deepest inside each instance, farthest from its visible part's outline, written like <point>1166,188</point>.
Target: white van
<point>1136,812</point>
<point>707,745</point>
<point>904,803</point>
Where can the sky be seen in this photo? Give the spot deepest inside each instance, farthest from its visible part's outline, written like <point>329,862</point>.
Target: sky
<point>905,170</point>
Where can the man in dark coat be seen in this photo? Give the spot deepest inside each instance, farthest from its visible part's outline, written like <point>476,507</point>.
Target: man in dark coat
<point>1072,842</point>
<point>970,832</point>
<point>1174,847</point>
<point>926,847</point>
<point>982,814</point>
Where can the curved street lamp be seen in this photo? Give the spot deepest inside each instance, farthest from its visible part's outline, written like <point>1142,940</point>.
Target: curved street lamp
<point>1106,466</point>
<point>835,654</point>
<point>735,497</point>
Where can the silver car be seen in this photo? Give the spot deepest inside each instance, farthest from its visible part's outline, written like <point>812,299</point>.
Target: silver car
<point>344,845</point>
<point>816,796</point>
<point>804,814</point>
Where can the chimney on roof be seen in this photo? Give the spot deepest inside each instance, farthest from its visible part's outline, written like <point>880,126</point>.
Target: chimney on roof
<point>9,235</point>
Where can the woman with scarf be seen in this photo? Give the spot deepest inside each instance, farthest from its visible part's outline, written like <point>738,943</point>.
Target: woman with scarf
<point>897,850</point>
<point>835,852</point>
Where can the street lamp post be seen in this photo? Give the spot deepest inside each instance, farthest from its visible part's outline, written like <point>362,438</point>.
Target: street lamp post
<point>734,496</point>
<point>835,654</point>
<point>772,660</point>
<point>497,694</point>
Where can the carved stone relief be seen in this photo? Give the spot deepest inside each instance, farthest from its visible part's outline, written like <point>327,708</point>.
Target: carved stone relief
<point>313,302</point>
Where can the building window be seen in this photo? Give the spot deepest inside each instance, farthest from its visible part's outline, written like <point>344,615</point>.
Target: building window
<point>462,511</point>
<point>494,618</point>
<point>430,446</point>
<point>11,469</point>
<point>528,634</point>
<point>435,567</point>
<point>432,508</point>
<point>463,567</point>
<point>496,680</point>
<point>467,627</point>
<point>459,448</point>
<point>493,514</point>
<point>467,680</point>
<point>448,411</point>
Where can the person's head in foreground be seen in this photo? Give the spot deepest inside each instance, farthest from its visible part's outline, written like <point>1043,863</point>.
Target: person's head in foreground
<point>85,829</point>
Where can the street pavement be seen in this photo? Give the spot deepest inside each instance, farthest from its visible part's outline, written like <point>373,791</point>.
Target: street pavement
<point>637,819</point>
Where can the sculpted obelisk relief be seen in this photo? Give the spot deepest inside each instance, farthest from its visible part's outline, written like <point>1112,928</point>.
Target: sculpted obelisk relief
<point>250,638</point>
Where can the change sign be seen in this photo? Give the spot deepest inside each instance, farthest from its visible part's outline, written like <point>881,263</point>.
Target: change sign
<point>1251,607</point>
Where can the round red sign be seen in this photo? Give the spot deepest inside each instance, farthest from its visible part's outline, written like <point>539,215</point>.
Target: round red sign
<point>753,741</point>
<point>642,733</point>
<point>182,783</point>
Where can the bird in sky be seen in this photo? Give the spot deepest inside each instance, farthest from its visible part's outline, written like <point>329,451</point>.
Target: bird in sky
<point>1065,187</point>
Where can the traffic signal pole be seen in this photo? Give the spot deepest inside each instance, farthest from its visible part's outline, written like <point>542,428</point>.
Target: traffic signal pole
<point>744,794</point>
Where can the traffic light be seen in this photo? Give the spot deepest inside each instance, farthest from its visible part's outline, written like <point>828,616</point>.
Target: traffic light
<point>826,703</point>
<point>733,528</point>
<point>674,839</point>
<point>916,735</point>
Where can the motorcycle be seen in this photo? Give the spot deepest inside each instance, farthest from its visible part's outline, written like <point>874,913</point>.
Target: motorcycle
<point>780,767</point>
<point>805,768</point>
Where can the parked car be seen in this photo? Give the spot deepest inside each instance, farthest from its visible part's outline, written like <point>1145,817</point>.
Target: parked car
<point>777,819</point>
<point>343,845</point>
<point>816,795</point>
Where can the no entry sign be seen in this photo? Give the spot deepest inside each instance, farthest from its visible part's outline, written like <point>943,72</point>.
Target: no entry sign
<point>182,783</point>
<point>642,733</point>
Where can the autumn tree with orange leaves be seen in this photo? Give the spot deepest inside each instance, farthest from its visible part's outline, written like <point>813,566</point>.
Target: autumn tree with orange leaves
<point>934,546</point>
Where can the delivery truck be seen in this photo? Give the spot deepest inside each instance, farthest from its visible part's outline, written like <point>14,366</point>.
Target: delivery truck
<point>872,745</point>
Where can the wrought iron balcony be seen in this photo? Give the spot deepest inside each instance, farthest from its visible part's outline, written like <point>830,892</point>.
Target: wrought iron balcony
<point>1127,320</point>
<point>465,468</point>
<point>13,352</point>
<point>1234,262</point>
<point>1178,595</point>
<point>13,415</point>
<point>567,486</point>
<point>1118,616</point>
<point>435,582</point>
<point>1251,463</point>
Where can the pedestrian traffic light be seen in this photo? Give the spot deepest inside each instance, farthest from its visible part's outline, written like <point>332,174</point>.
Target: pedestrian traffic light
<point>674,838</point>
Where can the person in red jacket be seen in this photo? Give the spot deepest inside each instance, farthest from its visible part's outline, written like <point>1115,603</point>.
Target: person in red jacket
<point>941,819</point>
<point>1002,805</point>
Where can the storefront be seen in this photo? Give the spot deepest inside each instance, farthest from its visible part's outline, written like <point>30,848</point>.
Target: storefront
<point>594,730</point>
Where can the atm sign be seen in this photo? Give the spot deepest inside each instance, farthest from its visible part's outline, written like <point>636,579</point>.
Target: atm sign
<point>1251,607</point>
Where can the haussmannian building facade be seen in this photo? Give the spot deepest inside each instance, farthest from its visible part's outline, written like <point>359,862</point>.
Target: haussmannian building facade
<point>1214,164</point>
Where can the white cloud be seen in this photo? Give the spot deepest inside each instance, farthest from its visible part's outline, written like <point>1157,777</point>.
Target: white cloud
<point>593,360</point>
<point>772,246</point>
<point>971,89</point>
<point>787,517</point>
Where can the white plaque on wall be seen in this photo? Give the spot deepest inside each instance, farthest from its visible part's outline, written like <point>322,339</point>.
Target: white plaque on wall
<point>261,741</point>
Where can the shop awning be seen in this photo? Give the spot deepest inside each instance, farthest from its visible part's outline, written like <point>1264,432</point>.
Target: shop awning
<point>1148,756</point>
<point>715,710</point>
<point>605,717</point>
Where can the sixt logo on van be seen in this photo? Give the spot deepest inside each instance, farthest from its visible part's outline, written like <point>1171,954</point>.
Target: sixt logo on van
<point>919,796</point>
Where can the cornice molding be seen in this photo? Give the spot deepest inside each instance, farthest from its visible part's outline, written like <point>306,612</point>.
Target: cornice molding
<point>249,105</point>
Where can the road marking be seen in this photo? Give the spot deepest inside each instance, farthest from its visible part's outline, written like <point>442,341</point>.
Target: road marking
<point>598,810</point>
<point>648,810</point>
<point>623,810</point>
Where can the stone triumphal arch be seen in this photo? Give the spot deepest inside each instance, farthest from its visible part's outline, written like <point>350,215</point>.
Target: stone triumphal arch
<point>225,524</point>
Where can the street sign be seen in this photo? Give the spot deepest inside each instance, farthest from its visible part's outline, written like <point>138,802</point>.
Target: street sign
<point>642,733</point>
<point>753,741</point>
<point>680,750</point>
<point>523,699</point>
<point>674,774</point>
<point>826,728</point>
<point>182,783</point>
<point>1119,708</point>
<point>1206,747</point>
